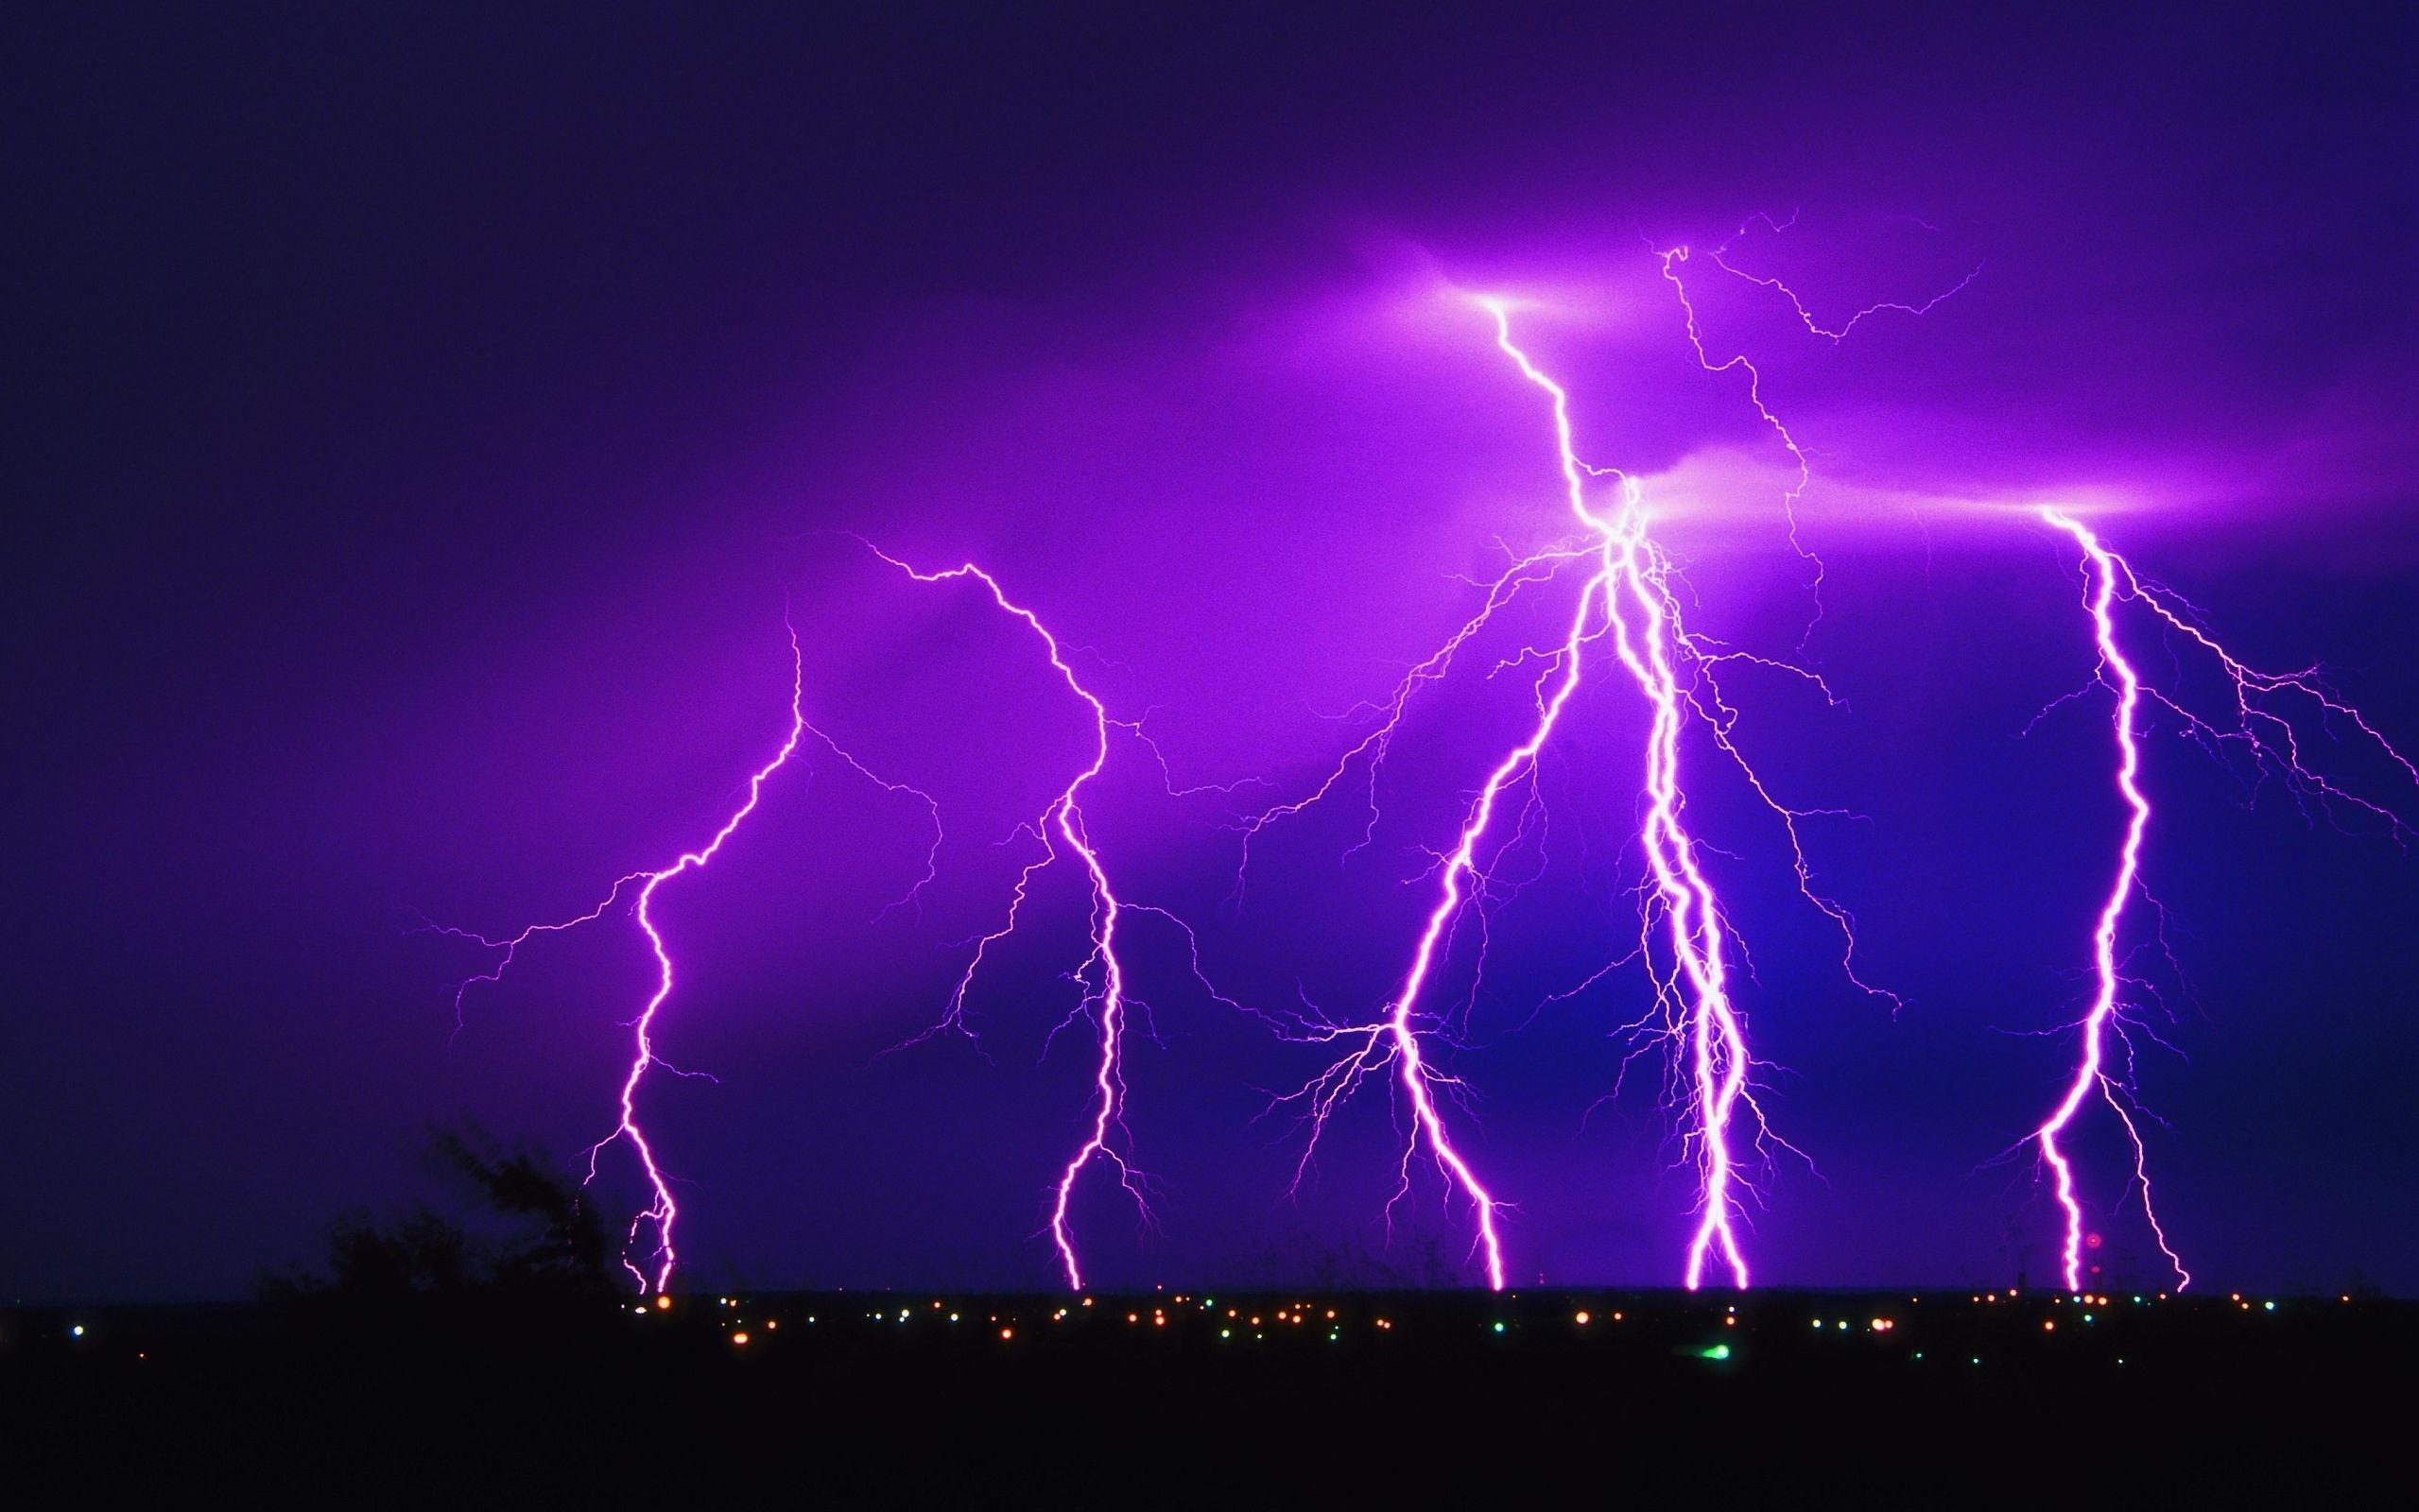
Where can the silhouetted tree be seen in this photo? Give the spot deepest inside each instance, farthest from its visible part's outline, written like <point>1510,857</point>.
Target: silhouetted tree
<point>519,1227</point>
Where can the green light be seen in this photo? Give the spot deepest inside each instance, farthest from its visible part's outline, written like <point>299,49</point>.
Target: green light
<point>1720,1351</point>
<point>2087,1317</point>
<point>1498,1328</point>
<point>2269,1306</point>
<point>1226,1333</point>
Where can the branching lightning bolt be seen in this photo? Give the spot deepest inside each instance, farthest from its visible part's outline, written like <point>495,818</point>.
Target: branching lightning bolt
<point>2090,1076</point>
<point>1062,823</point>
<point>1644,620</point>
<point>663,1210</point>
<point>2269,740</point>
<point>1628,596</point>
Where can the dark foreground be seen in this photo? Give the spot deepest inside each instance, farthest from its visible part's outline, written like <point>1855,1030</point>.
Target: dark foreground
<point>1544,1398</point>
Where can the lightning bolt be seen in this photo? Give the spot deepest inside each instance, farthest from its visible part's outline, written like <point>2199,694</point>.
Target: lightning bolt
<point>1628,596</point>
<point>663,1210</point>
<point>2269,740</point>
<point>1102,971</point>
<point>1632,580</point>
<point>2090,1076</point>
<point>1396,1037</point>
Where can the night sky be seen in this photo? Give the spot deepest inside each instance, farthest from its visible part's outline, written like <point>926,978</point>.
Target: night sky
<point>420,424</point>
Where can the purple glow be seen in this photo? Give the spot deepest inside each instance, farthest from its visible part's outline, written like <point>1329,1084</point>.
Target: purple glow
<point>1687,938</point>
<point>429,442</point>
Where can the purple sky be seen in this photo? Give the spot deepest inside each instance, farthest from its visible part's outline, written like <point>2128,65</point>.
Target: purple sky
<point>422,427</point>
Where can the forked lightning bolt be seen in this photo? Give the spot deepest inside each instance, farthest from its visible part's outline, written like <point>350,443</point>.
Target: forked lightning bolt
<point>1645,627</point>
<point>2261,734</point>
<point>1684,931</point>
<point>1062,823</point>
<point>663,1210</point>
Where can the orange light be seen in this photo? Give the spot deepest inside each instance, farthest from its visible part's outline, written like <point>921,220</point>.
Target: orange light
<point>1579,1318</point>
<point>663,1303</point>
<point>739,1338</point>
<point>2048,1326</point>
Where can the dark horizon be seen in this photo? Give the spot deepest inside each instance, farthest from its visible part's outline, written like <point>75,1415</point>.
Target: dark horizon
<point>423,425</point>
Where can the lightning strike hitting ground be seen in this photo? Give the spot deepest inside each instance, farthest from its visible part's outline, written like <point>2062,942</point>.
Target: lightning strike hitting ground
<point>1629,598</point>
<point>1645,626</point>
<point>2090,1076</point>
<point>2268,739</point>
<point>1687,940</point>
<point>662,1212</point>
<point>1063,818</point>
<point>1678,675</point>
